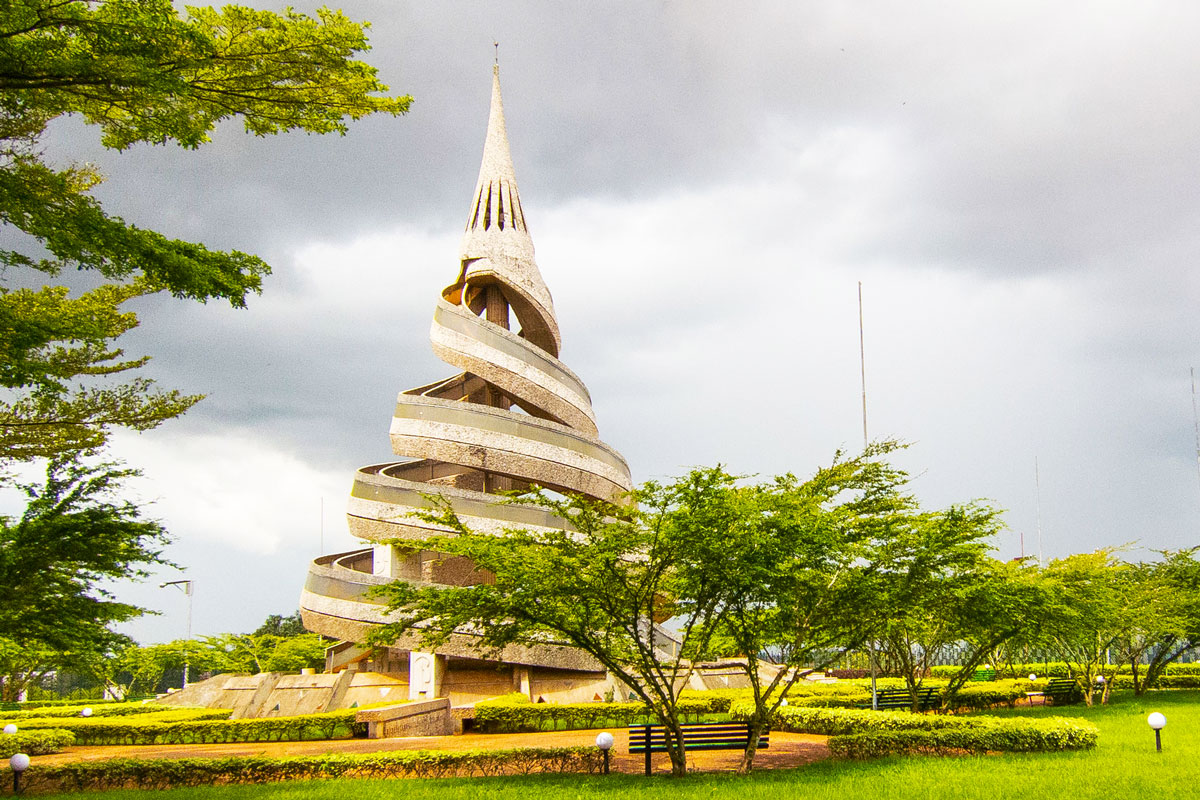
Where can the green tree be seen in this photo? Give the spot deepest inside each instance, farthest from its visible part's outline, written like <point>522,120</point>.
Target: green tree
<point>141,71</point>
<point>794,560</point>
<point>935,583</point>
<point>1099,601</point>
<point>277,625</point>
<point>266,652</point>
<point>603,587</point>
<point>1165,596</point>
<point>72,535</point>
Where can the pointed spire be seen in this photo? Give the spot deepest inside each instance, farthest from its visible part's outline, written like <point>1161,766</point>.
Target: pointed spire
<point>497,203</point>
<point>497,242</point>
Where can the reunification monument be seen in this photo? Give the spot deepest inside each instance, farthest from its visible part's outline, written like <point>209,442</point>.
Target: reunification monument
<point>514,416</point>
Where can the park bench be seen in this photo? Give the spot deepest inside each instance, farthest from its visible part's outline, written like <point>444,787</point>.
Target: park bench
<point>696,736</point>
<point>984,675</point>
<point>927,699</point>
<point>1063,691</point>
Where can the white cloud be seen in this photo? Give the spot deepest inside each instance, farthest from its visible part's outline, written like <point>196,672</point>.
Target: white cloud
<point>232,492</point>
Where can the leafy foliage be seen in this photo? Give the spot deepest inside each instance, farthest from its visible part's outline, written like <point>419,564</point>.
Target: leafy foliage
<point>205,726</point>
<point>886,732</point>
<point>163,773</point>
<point>278,625</point>
<point>601,587</point>
<point>997,736</point>
<point>71,535</point>
<point>140,71</point>
<point>35,743</point>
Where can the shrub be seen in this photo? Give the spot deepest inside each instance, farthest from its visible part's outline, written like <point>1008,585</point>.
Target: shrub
<point>860,733</point>
<point>73,710</point>
<point>505,715</point>
<point>163,773</point>
<point>848,673</point>
<point>29,705</point>
<point>986,694</point>
<point>1010,736</point>
<point>197,726</point>
<point>35,743</point>
<point>516,717</point>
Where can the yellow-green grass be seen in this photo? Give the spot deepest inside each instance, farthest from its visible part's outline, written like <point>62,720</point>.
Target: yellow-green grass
<point>1124,764</point>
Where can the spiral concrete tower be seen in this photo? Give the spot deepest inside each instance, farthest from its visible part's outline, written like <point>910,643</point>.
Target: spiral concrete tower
<point>513,416</point>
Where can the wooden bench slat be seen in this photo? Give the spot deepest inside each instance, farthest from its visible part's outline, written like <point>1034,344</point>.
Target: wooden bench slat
<point>648,739</point>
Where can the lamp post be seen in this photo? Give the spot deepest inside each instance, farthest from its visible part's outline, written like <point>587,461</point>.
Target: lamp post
<point>19,762</point>
<point>186,587</point>
<point>1157,721</point>
<point>604,741</point>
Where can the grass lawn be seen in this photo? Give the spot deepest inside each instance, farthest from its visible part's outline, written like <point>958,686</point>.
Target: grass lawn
<point>1124,764</point>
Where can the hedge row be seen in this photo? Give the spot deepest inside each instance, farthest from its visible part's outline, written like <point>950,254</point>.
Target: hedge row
<point>516,714</point>
<point>35,743</point>
<point>994,736</point>
<point>1060,669</point>
<point>107,710</point>
<point>26,705</point>
<point>159,730</point>
<point>861,733</point>
<point>162,773</point>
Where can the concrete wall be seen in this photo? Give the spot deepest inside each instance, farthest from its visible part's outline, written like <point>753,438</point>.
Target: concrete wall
<point>424,718</point>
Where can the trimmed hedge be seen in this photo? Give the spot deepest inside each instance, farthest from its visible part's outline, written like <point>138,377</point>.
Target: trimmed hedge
<point>859,733</point>
<point>1059,669</point>
<point>35,743</point>
<point>27,705</point>
<point>516,714</point>
<point>495,717</point>
<point>985,694</point>
<point>993,736</point>
<point>163,773</point>
<point>197,726</point>
<point>109,710</point>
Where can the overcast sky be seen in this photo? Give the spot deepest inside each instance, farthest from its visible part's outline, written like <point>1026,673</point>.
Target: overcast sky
<point>1015,184</point>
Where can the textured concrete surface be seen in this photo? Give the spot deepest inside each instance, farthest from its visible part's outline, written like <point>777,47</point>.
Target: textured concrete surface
<point>516,415</point>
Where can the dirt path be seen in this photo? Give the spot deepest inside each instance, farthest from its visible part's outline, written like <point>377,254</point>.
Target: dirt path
<point>786,749</point>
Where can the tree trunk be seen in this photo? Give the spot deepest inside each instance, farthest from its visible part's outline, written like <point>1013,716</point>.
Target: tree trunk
<point>676,752</point>
<point>755,728</point>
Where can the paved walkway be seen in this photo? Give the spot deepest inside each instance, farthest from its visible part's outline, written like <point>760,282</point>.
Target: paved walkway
<point>786,749</point>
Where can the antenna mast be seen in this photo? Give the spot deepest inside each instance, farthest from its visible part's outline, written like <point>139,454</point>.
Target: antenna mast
<point>1037,482</point>
<point>1196,422</point>
<point>862,363</point>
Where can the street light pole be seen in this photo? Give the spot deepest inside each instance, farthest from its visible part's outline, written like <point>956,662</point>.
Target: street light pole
<point>186,586</point>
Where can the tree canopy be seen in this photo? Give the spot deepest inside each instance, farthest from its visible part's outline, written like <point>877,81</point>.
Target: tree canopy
<point>142,72</point>
<point>72,535</point>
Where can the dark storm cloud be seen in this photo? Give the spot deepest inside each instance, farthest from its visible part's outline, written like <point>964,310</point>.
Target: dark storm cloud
<point>707,182</point>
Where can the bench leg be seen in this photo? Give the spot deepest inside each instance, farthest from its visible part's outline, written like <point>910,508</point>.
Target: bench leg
<point>647,750</point>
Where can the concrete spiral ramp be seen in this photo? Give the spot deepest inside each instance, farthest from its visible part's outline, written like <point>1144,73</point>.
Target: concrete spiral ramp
<point>512,416</point>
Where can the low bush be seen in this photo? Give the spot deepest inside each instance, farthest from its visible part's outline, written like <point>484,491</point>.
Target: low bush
<point>35,743</point>
<point>518,717</point>
<point>860,733</point>
<point>162,773</point>
<point>990,736</point>
<point>29,705</point>
<point>75,709</point>
<point>515,714</point>
<point>198,726</point>
<point>985,694</point>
